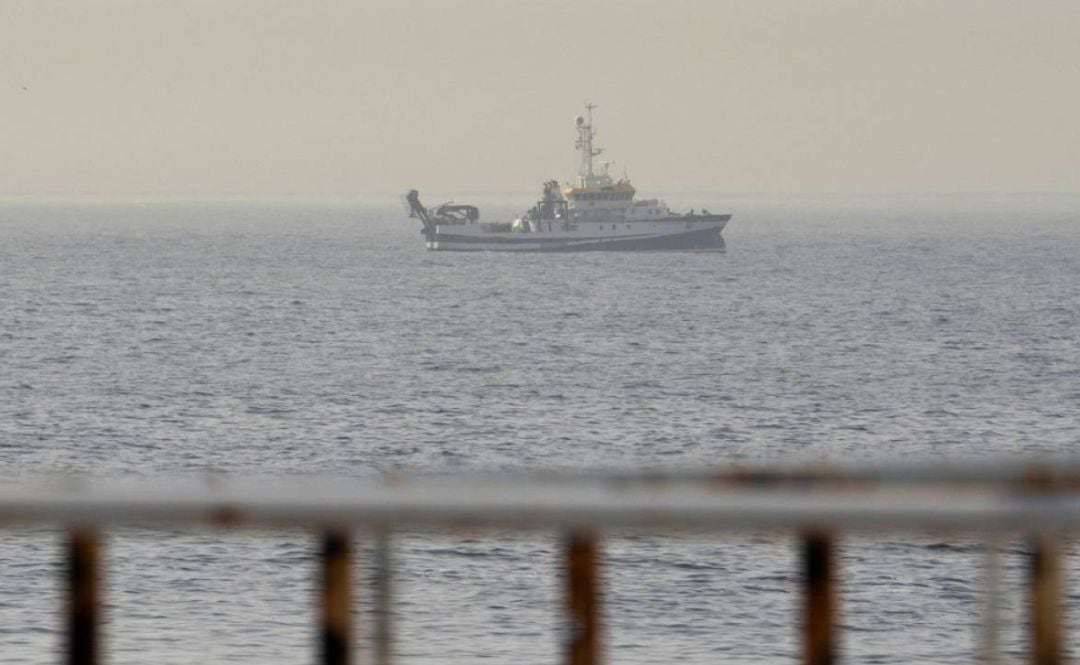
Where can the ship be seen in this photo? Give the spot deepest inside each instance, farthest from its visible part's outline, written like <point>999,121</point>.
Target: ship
<point>596,212</point>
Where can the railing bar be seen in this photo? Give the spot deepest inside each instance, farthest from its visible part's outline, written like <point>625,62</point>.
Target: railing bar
<point>551,507</point>
<point>1045,601</point>
<point>335,606</point>
<point>384,598</point>
<point>84,602</point>
<point>582,600</point>
<point>819,599</point>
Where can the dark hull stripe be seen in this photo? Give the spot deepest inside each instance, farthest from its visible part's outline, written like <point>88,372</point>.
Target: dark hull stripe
<point>520,238</point>
<point>697,239</point>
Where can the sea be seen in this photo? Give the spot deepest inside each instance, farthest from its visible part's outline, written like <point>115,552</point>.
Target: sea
<point>188,339</point>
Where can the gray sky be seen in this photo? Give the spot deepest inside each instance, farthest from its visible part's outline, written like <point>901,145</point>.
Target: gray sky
<point>265,98</point>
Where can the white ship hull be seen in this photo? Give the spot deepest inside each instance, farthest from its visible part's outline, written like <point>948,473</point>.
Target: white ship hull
<point>686,232</point>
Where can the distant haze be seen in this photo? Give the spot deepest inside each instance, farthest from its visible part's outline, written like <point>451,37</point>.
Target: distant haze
<point>265,98</point>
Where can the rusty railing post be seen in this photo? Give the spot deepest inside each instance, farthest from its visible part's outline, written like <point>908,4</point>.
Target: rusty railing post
<point>83,601</point>
<point>582,600</point>
<point>384,597</point>
<point>335,606</point>
<point>819,599</point>
<point>991,620</point>
<point>1045,602</point>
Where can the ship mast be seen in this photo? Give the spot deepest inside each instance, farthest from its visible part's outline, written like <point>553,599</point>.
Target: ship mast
<point>584,144</point>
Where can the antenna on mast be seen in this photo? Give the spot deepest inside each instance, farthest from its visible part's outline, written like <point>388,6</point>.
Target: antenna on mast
<point>584,144</point>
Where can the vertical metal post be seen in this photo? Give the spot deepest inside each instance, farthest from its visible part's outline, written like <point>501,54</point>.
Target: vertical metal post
<point>819,599</point>
<point>1045,602</point>
<point>336,584</point>
<point>384,597</point>
<point>991,628</point>
<point>83,601</point>
<point>582,600</point>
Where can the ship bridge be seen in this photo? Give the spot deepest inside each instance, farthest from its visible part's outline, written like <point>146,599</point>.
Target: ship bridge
<point>621,191</point>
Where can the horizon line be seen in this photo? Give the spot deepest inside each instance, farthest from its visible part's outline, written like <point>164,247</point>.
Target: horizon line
<point>157,197</point>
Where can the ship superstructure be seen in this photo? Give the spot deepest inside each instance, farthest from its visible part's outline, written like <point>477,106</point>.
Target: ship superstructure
<point>596,212</point>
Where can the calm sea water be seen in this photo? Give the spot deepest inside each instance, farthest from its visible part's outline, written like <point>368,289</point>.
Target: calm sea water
<point>159,340</point>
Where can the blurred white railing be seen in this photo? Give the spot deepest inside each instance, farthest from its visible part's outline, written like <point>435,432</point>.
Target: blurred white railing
<point>1040,501</point>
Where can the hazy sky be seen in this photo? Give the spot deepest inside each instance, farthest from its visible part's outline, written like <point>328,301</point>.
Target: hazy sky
<point>265,98</point>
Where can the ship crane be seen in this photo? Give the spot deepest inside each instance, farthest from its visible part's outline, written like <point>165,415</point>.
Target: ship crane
<point>448,214</point>
<point>418,211</point>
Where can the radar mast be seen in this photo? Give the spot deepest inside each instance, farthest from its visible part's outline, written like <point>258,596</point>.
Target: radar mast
<point>584,144</point>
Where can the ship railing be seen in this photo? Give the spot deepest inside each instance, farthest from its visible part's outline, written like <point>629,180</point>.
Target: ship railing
<point>989,501</point>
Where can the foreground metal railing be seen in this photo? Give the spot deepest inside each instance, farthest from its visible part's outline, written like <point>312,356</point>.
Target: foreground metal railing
<point>987,500</point>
